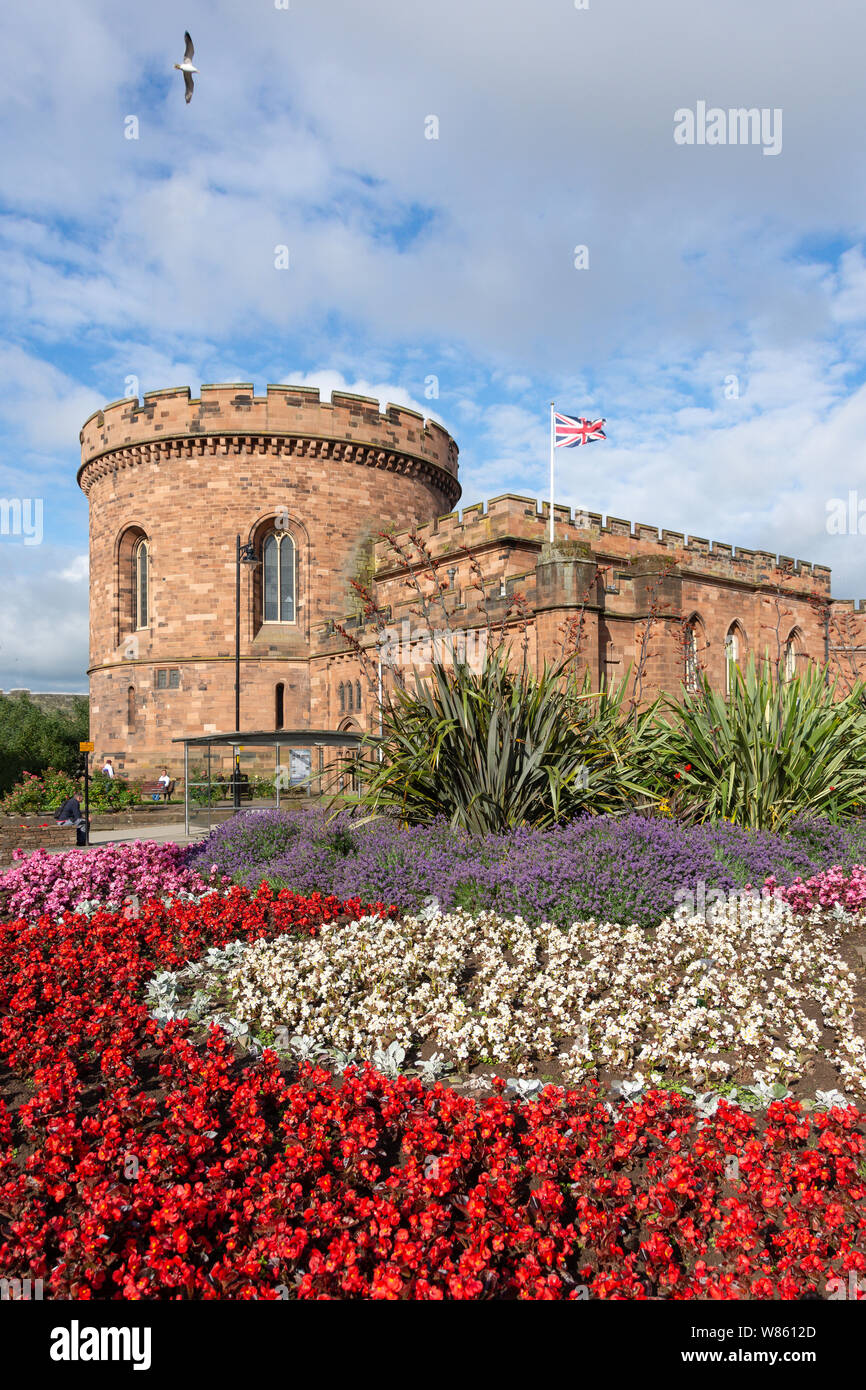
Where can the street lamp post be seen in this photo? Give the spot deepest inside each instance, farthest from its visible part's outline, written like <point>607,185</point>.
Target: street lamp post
<point>244,554</point>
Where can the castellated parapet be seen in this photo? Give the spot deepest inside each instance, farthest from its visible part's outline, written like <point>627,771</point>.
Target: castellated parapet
<point>523,519</point>
<point>289,421</point>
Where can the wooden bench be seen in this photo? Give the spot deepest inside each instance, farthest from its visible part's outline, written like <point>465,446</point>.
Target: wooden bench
<point>227,788</point>
<point>155,790</point>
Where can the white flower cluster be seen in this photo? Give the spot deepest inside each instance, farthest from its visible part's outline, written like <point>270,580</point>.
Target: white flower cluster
<point>747,988</point>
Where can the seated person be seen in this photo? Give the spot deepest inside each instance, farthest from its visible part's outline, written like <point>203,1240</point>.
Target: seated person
<point>167,785</point>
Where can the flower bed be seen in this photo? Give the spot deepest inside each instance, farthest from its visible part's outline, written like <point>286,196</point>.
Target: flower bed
<point>42,882</point>
<point>148,1167</point>
<point>746,990</point>
<point>627,869</point>
<point>138,1160</point>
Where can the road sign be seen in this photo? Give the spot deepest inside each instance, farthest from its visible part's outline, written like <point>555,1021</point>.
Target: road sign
<point>85,747</point>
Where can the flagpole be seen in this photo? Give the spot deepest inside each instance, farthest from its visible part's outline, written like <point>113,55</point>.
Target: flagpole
<point>552,447</point>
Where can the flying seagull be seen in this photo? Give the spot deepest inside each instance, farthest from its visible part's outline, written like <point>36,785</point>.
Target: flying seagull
<point>187,68</point>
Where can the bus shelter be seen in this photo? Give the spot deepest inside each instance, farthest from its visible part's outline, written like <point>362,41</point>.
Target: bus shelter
<point>240,771</point>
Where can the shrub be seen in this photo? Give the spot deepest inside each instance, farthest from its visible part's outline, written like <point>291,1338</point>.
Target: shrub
<point>616,868</point>
<point>35,739</point>
<point>494,749</point>
<point>770,751</point>
<point>46,793</point>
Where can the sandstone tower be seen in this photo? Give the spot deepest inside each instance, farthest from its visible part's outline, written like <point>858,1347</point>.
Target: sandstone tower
<point>171,482</point>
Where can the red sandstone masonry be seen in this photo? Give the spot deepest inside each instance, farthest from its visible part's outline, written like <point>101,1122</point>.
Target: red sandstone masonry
<point>291,418</point>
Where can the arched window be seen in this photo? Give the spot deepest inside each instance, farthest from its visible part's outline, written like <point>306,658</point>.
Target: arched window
<point>357,694</point>
<point>130,709</point>
<point>140,614</point>
<point>691,644</point>
<point>792,652</point>
<point>733,655</point>
<point>278,588</point>
<point>279,706</point>
<point>349,696</point>
<point>341,694</point>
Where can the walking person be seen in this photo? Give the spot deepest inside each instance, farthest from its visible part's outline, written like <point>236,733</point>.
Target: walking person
<point>107,769</point>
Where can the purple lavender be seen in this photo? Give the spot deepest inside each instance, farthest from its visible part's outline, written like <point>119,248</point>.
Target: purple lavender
<point>626,869</point>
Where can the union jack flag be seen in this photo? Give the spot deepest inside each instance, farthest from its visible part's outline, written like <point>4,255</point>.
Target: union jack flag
<point>570,431</point>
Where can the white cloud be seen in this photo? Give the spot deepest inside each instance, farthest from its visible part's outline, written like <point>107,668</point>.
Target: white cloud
<point>43,619</point>
<point>78,571</point>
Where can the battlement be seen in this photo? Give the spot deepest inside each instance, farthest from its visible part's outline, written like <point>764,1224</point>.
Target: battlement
<point>525,519</point>
<point>848,605</point>
<point>284,412</point>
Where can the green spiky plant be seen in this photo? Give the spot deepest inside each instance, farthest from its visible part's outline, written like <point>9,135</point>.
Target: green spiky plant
<point>495,749</point>
<point>768,751</point>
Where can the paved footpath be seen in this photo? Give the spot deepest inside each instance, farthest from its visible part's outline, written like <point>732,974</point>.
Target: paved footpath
<point>174,832</point>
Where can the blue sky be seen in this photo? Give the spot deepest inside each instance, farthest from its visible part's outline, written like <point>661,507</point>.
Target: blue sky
<point>412,257</point>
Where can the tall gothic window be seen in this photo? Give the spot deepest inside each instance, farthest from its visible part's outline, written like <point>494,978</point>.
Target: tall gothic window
<point>341,694</point>
<point>130,709</point>
<point>732,656</point>
<point>357,694</point>
<point>692,660</point>
<point>278,554</point>
<point>280,706</point>
<point>140,603</point>
<point>791,655</point>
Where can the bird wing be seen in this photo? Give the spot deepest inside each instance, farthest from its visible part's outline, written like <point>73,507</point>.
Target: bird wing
<point>189,84</point>
<point>189,51</point>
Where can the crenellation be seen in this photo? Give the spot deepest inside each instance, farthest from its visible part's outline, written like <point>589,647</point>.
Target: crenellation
<point>525,517</point>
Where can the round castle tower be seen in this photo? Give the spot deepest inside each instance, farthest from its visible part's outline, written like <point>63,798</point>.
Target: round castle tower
<point>171,482</point>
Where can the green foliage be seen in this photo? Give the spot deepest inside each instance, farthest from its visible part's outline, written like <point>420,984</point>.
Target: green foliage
<point>33,739</point>
<point>35,794</point>
<point>769,751</point>
<point>494,749</point>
